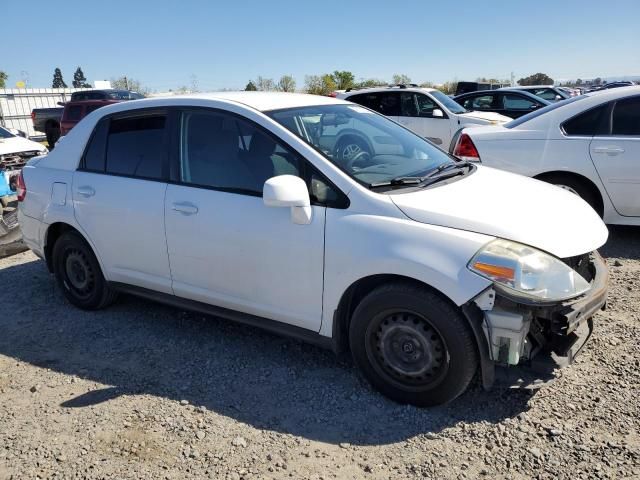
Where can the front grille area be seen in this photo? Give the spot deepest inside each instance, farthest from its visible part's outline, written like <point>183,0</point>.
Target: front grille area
<point>583,264</point>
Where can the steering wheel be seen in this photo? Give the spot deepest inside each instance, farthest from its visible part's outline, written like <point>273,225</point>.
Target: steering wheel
<point>352,160</point>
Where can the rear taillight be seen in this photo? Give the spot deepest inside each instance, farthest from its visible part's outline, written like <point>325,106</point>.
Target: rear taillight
<point>33,116</point>
<point>21,188</point>
<point>465,149</point>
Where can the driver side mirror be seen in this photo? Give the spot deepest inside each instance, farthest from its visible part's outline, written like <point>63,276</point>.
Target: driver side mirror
<point>289,191</point>
<point>437,113</point>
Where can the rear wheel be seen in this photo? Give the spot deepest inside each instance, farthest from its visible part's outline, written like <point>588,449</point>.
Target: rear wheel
<point>53,134</point>
<point>78,273</point>
<point>412,345</point>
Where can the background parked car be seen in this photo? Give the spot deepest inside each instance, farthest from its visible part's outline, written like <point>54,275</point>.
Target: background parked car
<point>426,111</point>
<point>512,104</point>
<point>15,151</point>
<point>466,87</point>
<point>547,92</point>
<point>589,145</point>
<point>48,120</point>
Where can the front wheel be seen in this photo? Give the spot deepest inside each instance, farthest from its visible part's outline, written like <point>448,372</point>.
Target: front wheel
<point>78,273</point>
<point>412,345</point>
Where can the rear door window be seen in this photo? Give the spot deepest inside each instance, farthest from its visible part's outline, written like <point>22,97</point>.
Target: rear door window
<point>135,146</point>
<point>626,117</point>
<point>74,113</point>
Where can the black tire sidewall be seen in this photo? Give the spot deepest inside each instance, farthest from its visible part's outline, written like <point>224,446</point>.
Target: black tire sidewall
<point>449,323</point>
<point>69,241</point>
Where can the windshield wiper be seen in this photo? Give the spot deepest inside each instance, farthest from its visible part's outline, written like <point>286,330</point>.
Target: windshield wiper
<point>447,166</point>
<point>398,181</point>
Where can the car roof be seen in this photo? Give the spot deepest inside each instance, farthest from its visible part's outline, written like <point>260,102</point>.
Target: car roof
<point>261,101</point>
<point>521,87</point>
<point>397,88</point>
<point>525,94</point>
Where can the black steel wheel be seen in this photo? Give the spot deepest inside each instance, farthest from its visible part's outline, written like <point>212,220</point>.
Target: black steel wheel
<point>78,273</point>
<point>413,345</point>
<point>405,346</point>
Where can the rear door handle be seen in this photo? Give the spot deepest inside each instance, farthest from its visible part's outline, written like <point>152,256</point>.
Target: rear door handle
<point>609,150</point>
<point>185,208</point>
<point>86,191</point>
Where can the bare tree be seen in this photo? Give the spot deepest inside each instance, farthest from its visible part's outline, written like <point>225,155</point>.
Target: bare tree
<point>265,84</point>
<point>401,79</point>
<point>286,84</point>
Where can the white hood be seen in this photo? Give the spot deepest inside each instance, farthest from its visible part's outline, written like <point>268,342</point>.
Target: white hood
<point>484,118</point>
<point>19,144</point>
<point>505,205</point>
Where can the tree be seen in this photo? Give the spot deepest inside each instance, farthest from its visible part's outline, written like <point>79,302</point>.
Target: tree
<point>448,88</point>
<point>597,81</point>
<point>319,84</point>
<point>536,79</point>
<point>251,87</point>
<point>343,79</point>
<point>3,79</point>
<point>286,84</point>
<point>370,82</point>
<point>58,81</point>
<point>131,84</point>
<point>578,82</point>
<point>265,84</point>
<point>401,79</point>
<point>79,80</point>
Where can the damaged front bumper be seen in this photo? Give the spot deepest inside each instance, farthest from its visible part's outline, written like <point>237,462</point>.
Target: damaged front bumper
<point>536,338</point>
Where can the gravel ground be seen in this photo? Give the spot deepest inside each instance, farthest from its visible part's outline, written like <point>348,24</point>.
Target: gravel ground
<point>146,391</point>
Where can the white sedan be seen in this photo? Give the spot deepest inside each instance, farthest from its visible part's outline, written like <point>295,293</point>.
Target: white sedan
<point>589,145</point>
<point>238,205</point>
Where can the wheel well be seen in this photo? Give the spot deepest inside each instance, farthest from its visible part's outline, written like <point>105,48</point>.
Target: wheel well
<point>354,295</point>
<point>594,190</point>
<point>54,232</point>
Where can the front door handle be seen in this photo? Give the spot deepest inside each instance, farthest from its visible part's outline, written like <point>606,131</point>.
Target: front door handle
<point>609,150</point>
<point>86,191</point>
<point>185,208</point>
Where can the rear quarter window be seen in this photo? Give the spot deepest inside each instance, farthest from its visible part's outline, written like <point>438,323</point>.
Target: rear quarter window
<point>589,123</point>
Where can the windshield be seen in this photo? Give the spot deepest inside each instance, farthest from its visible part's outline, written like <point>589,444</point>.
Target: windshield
<point>540,111</point>
<point>367,146</point>
<point>448,102</point>
<point>5,133</point>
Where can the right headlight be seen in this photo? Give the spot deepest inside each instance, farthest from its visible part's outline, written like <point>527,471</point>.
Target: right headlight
<point>527,272</point>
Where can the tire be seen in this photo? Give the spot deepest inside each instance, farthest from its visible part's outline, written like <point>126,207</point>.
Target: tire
<point>577,187</point>
<point>350,146</point>
<point>53,135</point>
<point>78,273</point>
<point>412,345</point>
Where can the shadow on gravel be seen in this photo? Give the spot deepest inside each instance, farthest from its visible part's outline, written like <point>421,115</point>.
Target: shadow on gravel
<point>624,242</point>
<point>269,382</point>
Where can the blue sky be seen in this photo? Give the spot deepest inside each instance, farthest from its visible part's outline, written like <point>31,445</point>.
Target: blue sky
<point>226,43</point>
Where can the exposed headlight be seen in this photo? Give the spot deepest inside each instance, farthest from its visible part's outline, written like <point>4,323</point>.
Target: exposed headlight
<point>527,272</point>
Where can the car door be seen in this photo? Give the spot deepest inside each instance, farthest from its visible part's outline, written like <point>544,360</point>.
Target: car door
<point>227,248</point>
<point>515,105</point>
<point>616,156</point>
<point>118,197</point>
<point>417,110</point>
<point>385,103</point>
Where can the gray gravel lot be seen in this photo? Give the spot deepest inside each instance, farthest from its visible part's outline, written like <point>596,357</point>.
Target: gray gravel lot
<point>141,390</point>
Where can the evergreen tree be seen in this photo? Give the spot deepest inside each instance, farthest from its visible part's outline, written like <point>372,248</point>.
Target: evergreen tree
<point>79,80</point>
<point>251,87</point>
<point>58,82</point>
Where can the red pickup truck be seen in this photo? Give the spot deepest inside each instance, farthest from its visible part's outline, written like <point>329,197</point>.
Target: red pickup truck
<point>76,111</point>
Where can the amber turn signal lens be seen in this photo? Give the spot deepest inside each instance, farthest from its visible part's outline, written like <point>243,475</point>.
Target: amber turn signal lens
<point>495,270</point>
